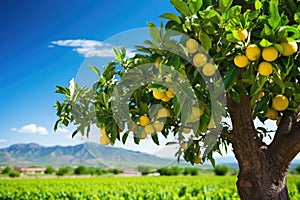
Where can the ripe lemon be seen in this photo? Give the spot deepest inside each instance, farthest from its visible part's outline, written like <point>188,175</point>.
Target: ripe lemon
<point>278,120</point>
<point>265,68</point>
<point>211,124</point>
<point>163,112</point>
<point>103,131</point>
<point>270,54</point>
<point>185,146</point>
<point>144,120</point>
<point>199,60</point>
<point>158,95</point>
<point>241,61</point>
<point>197,160</point>
<point>149,129</point>
<point>289,48</point>
<point>186,130</point>
<point>261,94</point>
<point>157,62</point>
<point>165,99</point>
<point>197,112</point>
<point>272,114</point>
<point>159,126</point>
<point>208,69</point>
<point>104,140</point>
<point>280,102</point>
<point>191,45</point>
<point>169,79</point>
<point>218,49</point>
<point>170,94</point>
<point>253,52</point>
<point>243,34</point>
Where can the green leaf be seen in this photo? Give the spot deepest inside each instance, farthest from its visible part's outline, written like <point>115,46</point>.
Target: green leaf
<point>118,54</point>
<point>258,85</point>
<point>262,105</point>
<point>257,4</point>
<point>96,70</point>
<point>74,133</point>
<point>154,32</point>
<point>155,138</point>
<point>171,16</point>
<point>274,19</point>
<point>230,76</point>
<point>205,40</point>
<point>209,14</point>
<point>265,43</point>
<point>181,7</point>
<point>124,137</point>
<point>224,5</point>
<point>195,6</point>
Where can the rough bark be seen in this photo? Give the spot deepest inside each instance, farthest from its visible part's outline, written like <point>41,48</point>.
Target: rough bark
<point>262,167</point>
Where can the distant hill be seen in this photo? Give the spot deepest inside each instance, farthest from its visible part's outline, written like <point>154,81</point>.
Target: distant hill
<point>89,154</point>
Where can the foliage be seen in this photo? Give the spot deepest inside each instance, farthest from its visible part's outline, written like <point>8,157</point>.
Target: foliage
<point>169,171</point>
<point>13,173</point>
<point>298,169</point>
<point>224,29</point>
<point>168,188</point>
<point>191,171</point>
<point>81,170</point>
<point>221,170</point>
<point>6,170</point>
<point>63,171</point>
<point>144,169</point>
<point>49,170</point>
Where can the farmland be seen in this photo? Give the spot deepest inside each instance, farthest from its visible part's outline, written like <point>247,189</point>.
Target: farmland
<point>106,188</point>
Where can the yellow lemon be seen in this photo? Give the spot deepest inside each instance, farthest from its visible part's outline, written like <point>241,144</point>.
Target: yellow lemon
<point>104,140</point>
<point>157,62</point>
<point>191,45</point>
<point>272,114</point>
<point>159,126</point>
<point>165,99</point>
<point>170,94</point>
<point>169,79</point>
<point>278,120</point>
<point>149,129</point>
<point>243,34</point>
<point>186,130</point>
<point>261,94</point>
<point>241,61</point>
<point>197,160</point>
<point>197,112</point>
<point>158,95</point>
<point>208,69</point>
<point>265,68</point>
<point>253,52</point>
<point>280,102</point>
<point>211,124</point>
<point>218,49</point>
<point>185,146</point>
<point>199,60</point>
<point>103,131</point>
<point>289,48</point>
<point>163,112</point>
<point>270,54</point>
<point>143,135</point>
<point>144,120</point>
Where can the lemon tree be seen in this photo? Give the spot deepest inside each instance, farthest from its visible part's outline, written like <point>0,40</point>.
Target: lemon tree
<point>249,49</point>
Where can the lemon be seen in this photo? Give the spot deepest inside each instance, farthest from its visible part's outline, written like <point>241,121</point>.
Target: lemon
<point>278,120</point>
<point>191,45</point>
<point>243,34</point>
<point>163,112</point>
<point>165,99</point>
<point>159,126</point>
<point>241,61</point>
<point>280,102</point>
<point>170,94</point>
<point>218,49</point>
<point>197,112</point>
<point>185,146</point>
<point>199,60</point>
<point>186,130</point>
<point>157,62</point>
<point>149,129</point>
<point>289,48</point>
<point>143,135</point>
<point>103,131</point>
<point>197,160</point>
<point>272,114</point>
<point>265,68</point>
<point>144,120</point>
<point>270,54</point>
<point>261,94</point>
<point>253,52</point>
<point>208,69</point>
<point>104,140</point>
<point>169,79</point>
<point>211,124</point>
<point>158,95</point>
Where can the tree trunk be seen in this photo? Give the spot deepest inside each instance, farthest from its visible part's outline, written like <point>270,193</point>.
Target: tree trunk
<point>260,176</point>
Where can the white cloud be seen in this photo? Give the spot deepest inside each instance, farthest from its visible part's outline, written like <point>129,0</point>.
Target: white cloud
<point>31,128</point>
<point>3,140</point>
<point>89,48</point>
<point>61,130</point>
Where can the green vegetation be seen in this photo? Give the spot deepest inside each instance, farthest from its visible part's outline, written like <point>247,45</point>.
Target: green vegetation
<point>221,170</point>
<point>204,187</point>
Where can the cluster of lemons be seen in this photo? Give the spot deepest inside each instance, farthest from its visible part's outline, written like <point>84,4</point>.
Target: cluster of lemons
<point>279,103</point>
<point>165,96</point>
<point>200,60</point>
<point>269,55</point>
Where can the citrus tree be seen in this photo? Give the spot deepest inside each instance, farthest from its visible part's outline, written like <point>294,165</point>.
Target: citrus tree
<point>211,76</point>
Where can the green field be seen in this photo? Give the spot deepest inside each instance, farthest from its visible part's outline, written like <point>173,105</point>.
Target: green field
<point>179,187</point>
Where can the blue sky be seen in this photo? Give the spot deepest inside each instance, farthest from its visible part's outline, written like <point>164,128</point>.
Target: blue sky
<point>43,44</point>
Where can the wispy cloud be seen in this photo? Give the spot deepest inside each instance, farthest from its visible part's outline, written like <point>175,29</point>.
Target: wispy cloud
<point>88,48</point>
<point>61,130</point>
<point>3,140</point>
<point>31,128</point>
